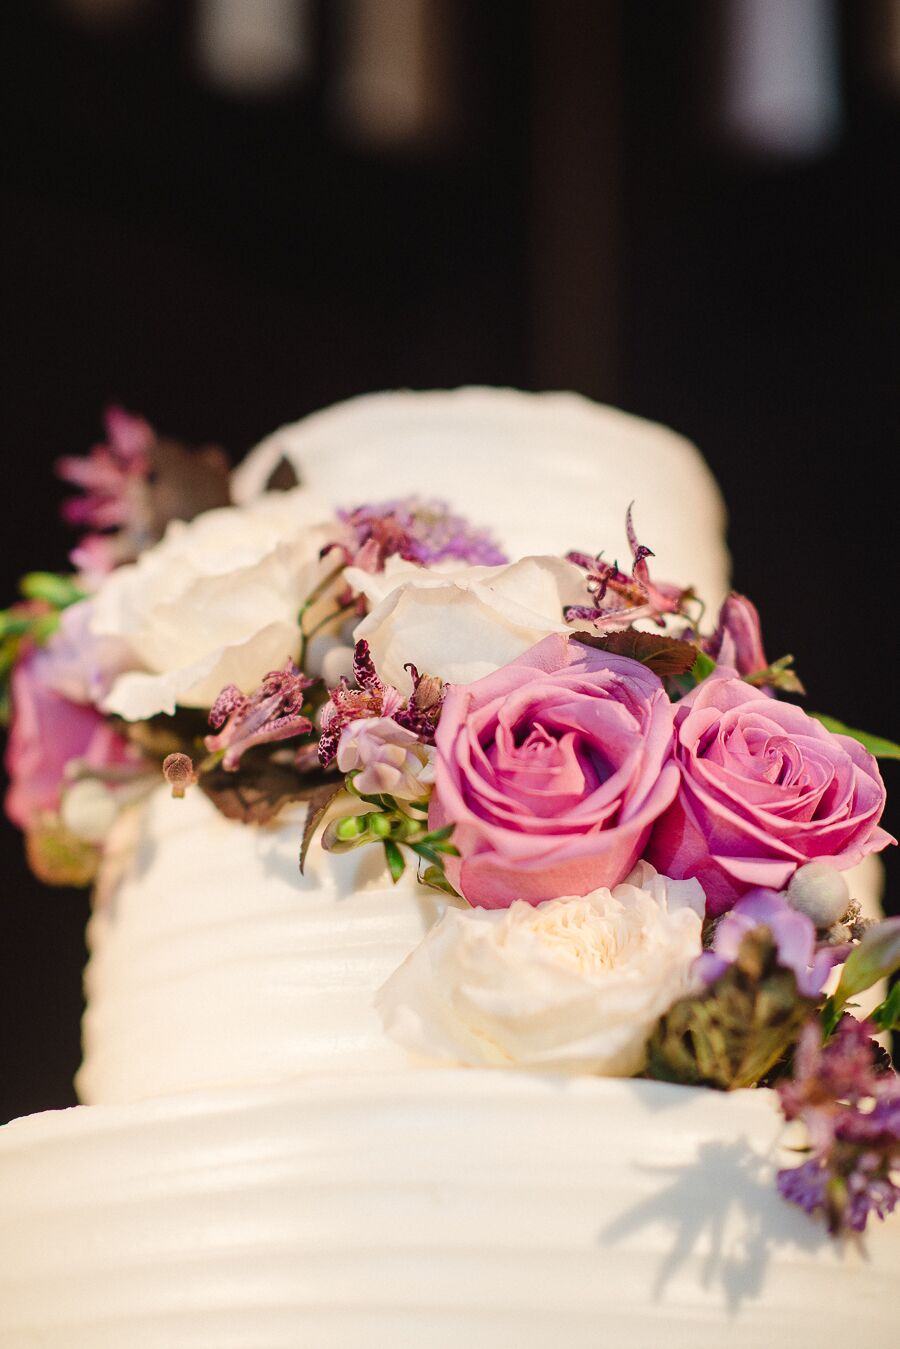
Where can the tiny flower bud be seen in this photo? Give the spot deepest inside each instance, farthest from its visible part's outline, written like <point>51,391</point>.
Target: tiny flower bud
<point>380,825</point>
<point>350,827</point>
<point>178,770</point>
<point>820,892</point>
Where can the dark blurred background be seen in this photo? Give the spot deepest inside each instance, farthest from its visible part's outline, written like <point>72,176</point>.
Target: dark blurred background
<point>226,213</point>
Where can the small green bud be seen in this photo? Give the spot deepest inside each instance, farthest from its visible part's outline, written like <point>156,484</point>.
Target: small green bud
<point>350,828</point>
<point>380,825</point>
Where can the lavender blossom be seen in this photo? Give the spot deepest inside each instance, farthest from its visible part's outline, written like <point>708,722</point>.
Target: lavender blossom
<point>793,933</point>
<point>418,531</point>
<point>620,599</point>
<point>852,1114</point>
<point>273,712</point>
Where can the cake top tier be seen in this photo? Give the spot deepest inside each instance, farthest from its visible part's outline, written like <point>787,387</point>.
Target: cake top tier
<point>215,963</point>
<point>548,472</point>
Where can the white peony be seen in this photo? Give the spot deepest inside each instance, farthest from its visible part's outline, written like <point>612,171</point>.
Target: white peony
<point>215,602</point>
<point>567,985</point>
<point>461,623</point>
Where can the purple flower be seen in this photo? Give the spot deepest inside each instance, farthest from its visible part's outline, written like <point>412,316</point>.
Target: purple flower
<point>418,531</point>
<point>109,474</point>
<point>619,599</point>
<point>387,759</point>
<point>372,697</point>
<point>50,732</point>
<point>273,712</point>
<point>113,478</point>
<point>737,640</point>
<point>852,1114</point>
<point>793,933</point>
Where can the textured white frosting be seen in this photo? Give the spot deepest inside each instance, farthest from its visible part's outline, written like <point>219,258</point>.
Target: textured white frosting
<point>216,963</point>
<point>548,472</point>
<point>424,1211</point>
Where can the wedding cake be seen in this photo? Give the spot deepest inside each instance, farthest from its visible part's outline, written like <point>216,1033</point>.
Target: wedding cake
<point>277,1151</point>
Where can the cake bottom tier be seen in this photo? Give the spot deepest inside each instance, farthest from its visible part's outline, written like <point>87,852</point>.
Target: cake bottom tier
<point>424,1210</point>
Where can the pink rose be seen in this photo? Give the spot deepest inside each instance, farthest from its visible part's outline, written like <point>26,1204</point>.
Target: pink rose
<point>47,732</point>
<point>553,770</point>
<point>764,789</point>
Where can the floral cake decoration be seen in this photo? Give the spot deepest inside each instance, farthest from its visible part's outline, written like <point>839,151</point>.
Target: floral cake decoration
<point>640,832</point>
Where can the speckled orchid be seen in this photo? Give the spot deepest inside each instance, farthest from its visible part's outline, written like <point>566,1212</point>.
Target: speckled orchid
<point>273,712</point>
<point>620,599</point>
<point>372,697</point>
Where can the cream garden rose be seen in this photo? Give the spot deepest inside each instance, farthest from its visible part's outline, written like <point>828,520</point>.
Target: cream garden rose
<point>568,985</point>
<point>215,602</point>
<point>461,623</point>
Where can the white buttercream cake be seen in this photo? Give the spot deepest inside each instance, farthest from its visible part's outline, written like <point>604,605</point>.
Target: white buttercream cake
<point>258,1165</point>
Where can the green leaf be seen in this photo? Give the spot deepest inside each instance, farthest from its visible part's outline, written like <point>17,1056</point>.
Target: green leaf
<point>396,864</point>
<point>702,667</point>
<point>439,835</point>
<point>887,1014</point>
<point>778,675</point>
<point>663,655</point>
<point>876,957</point>
<point>428,854</point>
<point>435,878</point>
<point>58,591</point>
<point>875,744</point>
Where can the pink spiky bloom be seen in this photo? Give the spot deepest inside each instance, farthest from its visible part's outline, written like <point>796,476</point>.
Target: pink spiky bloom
<point>373,698</point>
<point>273,712</point>
<point>418,531</point>
<point>620,599</point>
<point>109,474</point>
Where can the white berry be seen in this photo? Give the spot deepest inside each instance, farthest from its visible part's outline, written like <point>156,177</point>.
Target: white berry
<point>820,892</point>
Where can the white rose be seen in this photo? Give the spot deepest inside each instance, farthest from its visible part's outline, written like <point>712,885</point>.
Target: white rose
<point>215,602</point>
<point>567,985</point>
<point>461,623</point>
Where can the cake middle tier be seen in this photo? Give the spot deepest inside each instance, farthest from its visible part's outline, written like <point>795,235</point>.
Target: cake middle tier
<point>215,962</point>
